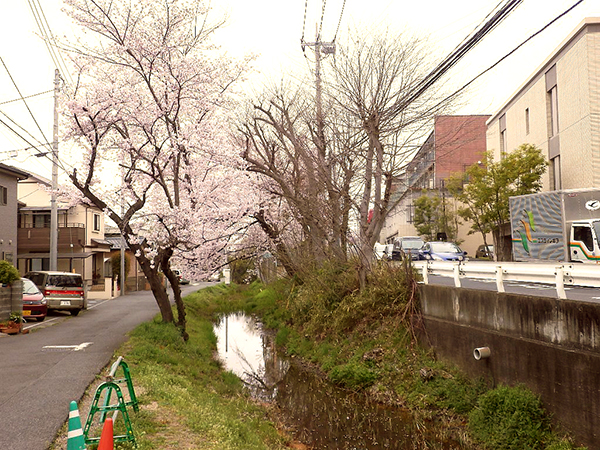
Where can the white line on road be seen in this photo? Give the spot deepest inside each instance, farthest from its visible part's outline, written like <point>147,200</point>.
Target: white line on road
<point>75,348</point>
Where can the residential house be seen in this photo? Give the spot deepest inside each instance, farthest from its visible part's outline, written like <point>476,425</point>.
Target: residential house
<point>81,244</point>
<point>136,280</point>
<point>456,142</point>
<point>9,176</point>
<point>558,110</point>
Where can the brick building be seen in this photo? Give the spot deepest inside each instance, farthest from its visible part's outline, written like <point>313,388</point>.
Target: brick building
<point>455,143</point>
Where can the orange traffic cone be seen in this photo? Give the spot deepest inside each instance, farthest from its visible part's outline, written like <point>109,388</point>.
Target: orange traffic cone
<point>106,438</point>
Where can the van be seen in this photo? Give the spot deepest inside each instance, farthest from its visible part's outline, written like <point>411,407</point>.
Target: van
<point>63,290</point>
<point>407,246</point>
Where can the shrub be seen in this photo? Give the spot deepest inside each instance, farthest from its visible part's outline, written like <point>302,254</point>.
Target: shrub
<point>8,273</point>
<point>353,375</point>
<point>509,418</point>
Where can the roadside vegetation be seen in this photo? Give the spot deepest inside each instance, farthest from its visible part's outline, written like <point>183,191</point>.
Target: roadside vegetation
<point>362,340</point>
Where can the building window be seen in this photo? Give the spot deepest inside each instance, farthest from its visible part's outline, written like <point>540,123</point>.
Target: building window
<point>526,120</point>
<point>409,213</point>
<point>41,221</point>
<point>555,180</point>
<point>3,195</point>
<point>503,143</point>
<point>96,222</point>
<point>553,113</point>
<point>552,101</point>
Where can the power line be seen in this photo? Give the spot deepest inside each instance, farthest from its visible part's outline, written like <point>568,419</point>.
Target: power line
<point>564,13</point>
<point>24,101</point>
<point>27,96</point>
<point>456,55</point>
<point>23,129</point>
<point>47,35</point>
<point>339,21</point>
<point>322,15</point>
<point>304,23</point>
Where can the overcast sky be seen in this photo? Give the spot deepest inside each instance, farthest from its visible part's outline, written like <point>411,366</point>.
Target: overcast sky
<point>273,29</point>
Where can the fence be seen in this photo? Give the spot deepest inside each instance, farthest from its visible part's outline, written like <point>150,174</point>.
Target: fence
<point>557,274</point>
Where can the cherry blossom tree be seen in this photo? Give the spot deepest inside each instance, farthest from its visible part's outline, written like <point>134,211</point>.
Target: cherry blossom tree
<point>149,110</point>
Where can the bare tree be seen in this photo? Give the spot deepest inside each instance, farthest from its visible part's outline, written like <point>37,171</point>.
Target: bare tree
<point>373,81</point>
<point>336,170</point>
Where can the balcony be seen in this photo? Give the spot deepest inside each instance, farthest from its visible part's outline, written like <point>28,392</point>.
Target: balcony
<point>71,238</point>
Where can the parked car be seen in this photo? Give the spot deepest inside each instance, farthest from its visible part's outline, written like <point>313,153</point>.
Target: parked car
<point>63,290</point>
<point>442,251</point>
<point>383,251</point>
<point>34,302</point>
<point>485,251</point>
<point>407,245</point>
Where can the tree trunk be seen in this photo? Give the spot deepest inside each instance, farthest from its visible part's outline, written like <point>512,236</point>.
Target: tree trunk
<point>503,243</point>
<point>164,260</point>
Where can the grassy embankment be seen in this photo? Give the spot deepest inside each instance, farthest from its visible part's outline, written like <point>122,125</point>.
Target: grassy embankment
<point>362,341</point>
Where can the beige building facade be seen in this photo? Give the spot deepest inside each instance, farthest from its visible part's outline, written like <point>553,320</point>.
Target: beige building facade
<point>81,244</point>
<point>558,110</point>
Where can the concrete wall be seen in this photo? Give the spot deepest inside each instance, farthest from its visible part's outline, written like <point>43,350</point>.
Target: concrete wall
<point>551,346</point>
<point>11,299</point>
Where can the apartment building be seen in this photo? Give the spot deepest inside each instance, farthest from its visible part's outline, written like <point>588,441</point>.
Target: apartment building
<point>558,110</point>
<point>455,143</point>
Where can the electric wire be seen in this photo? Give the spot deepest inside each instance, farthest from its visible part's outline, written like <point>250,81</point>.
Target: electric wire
<point>479,25</point>
<point>65,167</point>
<point>23,129</point>
<point>321,23</point>
<point>48,37</point>
<point>339,21</point>
<point>43,34</point>
<point>561,15</point>
<point>455,56</point>
<point>304,24</point>
<point>24,101</point>
<point>27,96</point>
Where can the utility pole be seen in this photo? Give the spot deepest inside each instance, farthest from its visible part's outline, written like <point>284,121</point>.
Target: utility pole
<point>122,277</point>
<point>53,205</point>
<point>327,48</point>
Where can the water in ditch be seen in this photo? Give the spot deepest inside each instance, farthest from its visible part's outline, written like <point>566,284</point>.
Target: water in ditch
<point>322,415</point>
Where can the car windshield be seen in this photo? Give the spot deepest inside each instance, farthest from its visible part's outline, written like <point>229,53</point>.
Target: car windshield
<point>412,245</point>
<point>67,281</point>
<point>28,287</point>
<point>445,247</point>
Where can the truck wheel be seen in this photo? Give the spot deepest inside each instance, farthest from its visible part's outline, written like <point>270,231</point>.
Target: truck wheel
<point>75,312</point>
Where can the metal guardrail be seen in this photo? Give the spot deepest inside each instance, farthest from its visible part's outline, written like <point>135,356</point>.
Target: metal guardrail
<point>558,274</point>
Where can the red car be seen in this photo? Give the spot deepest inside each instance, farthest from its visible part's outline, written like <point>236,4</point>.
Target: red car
<point>34,302</point>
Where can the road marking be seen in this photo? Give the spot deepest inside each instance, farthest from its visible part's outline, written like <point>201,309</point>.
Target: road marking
<point>75,348</point>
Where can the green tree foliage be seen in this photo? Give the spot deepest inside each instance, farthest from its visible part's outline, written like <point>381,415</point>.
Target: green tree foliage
<point>115,264</point>
<point>485,188</point>
<point>433,215</point>
<point>242,269</point>
<point>8,272</point>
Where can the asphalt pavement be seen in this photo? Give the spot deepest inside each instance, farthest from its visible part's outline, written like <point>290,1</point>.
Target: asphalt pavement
<point>43,371</point>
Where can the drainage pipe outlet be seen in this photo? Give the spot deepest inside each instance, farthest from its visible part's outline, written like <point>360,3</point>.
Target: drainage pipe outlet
<point>482,353</point>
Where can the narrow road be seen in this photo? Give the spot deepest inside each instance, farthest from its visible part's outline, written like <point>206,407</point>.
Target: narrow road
<point>43,371</point>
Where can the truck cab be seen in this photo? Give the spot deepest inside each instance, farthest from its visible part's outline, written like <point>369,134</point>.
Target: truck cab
<point>583,241</point>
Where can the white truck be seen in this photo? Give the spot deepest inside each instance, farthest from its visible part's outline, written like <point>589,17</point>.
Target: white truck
<point>556,226</point>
